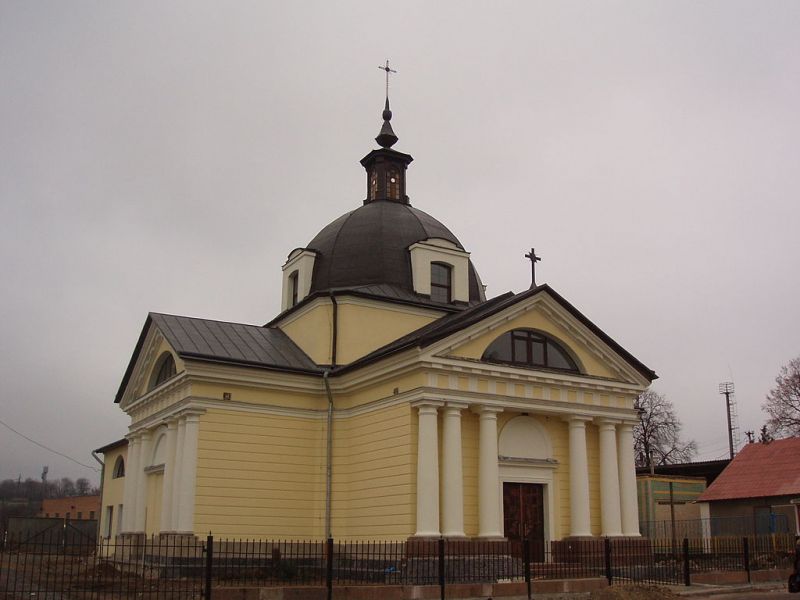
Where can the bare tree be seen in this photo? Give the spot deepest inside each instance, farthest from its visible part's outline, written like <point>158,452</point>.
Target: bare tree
<point>657,436</point>
<point>82,486</point>
<point>783,402</point>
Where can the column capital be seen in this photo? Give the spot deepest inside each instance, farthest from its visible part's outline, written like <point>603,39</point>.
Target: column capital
<point>488,410</point>
<point>456,406</point>
<point>607,423</point>
<point>578,420</point>
<point>627,425</point>
<point>427,403</point>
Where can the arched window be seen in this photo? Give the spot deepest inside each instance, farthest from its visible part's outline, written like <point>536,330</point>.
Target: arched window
<point>441,282</point>
<point>165,369</point>
<point>119,468</point>
<point>528,348</point>
<point>393,184</point>
<point>293,288</point>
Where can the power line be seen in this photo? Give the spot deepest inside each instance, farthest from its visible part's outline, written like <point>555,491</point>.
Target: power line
<point>32,441</point>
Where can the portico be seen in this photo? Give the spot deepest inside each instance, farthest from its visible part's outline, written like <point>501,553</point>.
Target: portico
<point>558,455</point>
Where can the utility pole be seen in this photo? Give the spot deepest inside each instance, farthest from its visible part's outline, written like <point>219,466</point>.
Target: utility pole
<point>726,388</point>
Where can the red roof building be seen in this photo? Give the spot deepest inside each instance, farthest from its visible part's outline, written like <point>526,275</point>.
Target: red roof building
<point>761,487</point>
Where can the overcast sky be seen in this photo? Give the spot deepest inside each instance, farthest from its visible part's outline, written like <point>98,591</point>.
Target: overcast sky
<point>167,157</point>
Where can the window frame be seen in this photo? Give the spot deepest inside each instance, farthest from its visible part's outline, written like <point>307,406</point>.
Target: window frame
<point>448,287</point>
<point>529,338</point>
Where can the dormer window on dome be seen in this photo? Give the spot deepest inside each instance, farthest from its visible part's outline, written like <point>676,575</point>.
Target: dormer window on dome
<point>440,269</point>
<point>297,274</point>
<point>529,348</point>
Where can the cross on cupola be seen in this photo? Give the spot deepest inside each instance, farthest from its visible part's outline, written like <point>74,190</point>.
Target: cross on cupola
<point>534,259</point>
<point>386,168</point>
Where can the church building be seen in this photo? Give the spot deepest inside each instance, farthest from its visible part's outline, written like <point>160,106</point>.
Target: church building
<point>388,400</point>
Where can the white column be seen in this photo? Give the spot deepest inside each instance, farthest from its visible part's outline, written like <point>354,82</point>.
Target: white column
<point>428,470</point>
<point>178,474</point>
<point>169,478</point>
<point>488,475</point>
<point>188,473</point>
<point>629,498</point>
<point>580,525</point>
<point>611,520</point>
<point>452,472</point>
<point>141,482</point>
<point>129,493</point>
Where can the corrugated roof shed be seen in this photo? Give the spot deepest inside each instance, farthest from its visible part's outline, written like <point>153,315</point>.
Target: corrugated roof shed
<point>759,471</point>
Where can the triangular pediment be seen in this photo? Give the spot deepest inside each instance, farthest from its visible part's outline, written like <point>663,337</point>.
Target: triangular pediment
<point>151,346</point>
<point>596,354</point>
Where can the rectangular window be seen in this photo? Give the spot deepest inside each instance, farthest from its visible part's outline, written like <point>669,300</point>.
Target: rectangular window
<point>441,283</point>
<point>67,516</point>
<point>91,515</point>
<point>80,515</point>
<point>109,521</point>
<point>119,518</point>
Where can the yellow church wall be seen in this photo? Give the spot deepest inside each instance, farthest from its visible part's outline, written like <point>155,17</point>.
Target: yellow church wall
<point>535,320</point>
<point>381,390</point>
<point>263,397</point>
<point>113,490</point>
<point>593,452</point>
<point>312,331</point>
<point>362,329</point>
<point>260,476</point>
<point>374,475</point>
<point>469,463</point>
<point>152,517</point>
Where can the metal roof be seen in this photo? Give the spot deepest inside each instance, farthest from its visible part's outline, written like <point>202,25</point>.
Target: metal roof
<point>369,246</point>
<point>224,342</point>
<point>759,471</point>
<point>232,342</point>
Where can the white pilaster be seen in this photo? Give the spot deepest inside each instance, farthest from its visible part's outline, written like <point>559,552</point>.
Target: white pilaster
<point>452,472</point>
<point>169,478</point>
<point>143,458</point>
<point>428,470</point>
<point>629,499</point>
<point>580,525</point>
<point>180,435</point>
<point>488,474</point>
<point>188,473</point>
<point>611,521</point>
<point>129,492</point>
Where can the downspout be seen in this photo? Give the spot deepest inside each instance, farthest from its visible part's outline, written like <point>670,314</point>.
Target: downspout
<point>329,441</point>
<point>102,477</point>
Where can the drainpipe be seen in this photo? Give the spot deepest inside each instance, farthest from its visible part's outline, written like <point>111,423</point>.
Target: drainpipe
<point>329,458</point>
<point>329,433</point>
<point>102,476</point>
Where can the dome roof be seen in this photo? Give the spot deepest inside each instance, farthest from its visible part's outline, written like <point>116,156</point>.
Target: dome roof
<point>369,246</point>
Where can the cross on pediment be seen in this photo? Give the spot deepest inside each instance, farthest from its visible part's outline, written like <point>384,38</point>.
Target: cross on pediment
<point>534,259</point>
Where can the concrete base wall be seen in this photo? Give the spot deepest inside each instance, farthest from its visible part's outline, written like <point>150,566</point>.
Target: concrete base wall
<point>411,592</point>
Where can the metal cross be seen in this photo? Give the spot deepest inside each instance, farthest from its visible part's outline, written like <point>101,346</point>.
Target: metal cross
<point>534,259</point>
<point>388,70</point>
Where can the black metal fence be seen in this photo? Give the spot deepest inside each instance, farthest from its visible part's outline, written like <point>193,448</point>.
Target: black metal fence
<point>183,567</point>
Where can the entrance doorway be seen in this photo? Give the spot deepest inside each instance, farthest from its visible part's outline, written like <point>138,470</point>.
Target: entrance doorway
<point>523,515</point>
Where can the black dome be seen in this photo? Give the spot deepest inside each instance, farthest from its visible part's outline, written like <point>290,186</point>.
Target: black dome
<point>369,246</point>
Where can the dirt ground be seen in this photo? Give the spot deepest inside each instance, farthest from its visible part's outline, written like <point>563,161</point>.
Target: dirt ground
<point>633,592</point>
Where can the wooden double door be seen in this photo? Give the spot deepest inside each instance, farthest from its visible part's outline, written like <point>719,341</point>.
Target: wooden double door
<point>523,515</point>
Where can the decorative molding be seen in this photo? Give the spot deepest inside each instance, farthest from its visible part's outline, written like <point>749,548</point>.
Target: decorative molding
<point>548,463</point>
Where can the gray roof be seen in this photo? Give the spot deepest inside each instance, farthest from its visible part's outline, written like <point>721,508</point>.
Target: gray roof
<point>369,246</point>
<point>223,342</point>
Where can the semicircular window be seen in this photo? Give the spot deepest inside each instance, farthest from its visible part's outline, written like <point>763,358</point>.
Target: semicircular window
<point>164,370</point>
<point>528,348</point>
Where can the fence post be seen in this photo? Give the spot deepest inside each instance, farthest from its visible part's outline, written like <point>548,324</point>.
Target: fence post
<point>687,575</point>
<point>607,553</point>
<point>209,565</point>
<point>329,568</point>
<point>746,552</point>
<point>526,556</point>
<point>441,568</point>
